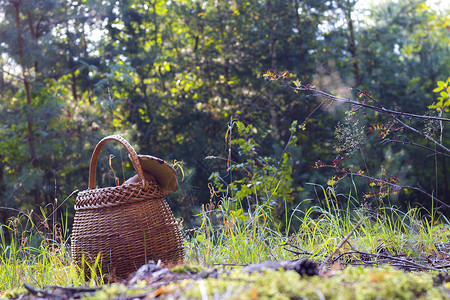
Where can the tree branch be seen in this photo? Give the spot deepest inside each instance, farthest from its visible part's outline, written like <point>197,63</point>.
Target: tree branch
<point>394,114</point>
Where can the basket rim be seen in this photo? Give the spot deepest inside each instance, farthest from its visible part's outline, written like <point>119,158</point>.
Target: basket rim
<point>96,198</point>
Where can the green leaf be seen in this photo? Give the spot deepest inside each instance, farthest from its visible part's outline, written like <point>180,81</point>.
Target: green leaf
<point>200,238</point>
<point>441,84</point>
<point>240,127</point>
<point>297,83</point>
<point>293,128</point>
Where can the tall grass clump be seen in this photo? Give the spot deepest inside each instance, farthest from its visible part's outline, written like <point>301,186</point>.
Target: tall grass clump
<point>229,235</point>
<point>37,254</point>
<point>384,229</point>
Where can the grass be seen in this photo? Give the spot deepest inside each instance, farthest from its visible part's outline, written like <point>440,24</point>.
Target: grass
<point>230,234</point>
<point>36,255</point>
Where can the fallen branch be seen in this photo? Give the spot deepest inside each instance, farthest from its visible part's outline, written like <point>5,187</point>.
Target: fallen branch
<point>327,260</point>
<point>389,259</point>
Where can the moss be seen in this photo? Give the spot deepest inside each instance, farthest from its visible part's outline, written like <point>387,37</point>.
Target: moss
<point>12,294</point>
<point>116,291</point>
<point>189,269</point>
<point>351,283</point>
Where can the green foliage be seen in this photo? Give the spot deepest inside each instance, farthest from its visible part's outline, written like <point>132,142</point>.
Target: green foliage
<point>396,131</point>
<point>443,88</point>
<point>169,74</point>
<point>256,180</point>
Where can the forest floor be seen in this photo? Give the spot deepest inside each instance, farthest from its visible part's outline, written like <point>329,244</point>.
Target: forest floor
<point>351,275</point>
<point>406,259</point>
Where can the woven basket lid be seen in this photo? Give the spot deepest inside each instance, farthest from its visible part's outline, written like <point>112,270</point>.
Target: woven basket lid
<point>164,173</point>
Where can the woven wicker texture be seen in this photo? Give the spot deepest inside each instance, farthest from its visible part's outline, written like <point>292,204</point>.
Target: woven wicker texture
<point>128,224</point>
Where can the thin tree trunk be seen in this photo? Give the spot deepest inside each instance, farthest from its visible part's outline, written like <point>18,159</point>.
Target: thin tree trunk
<point>35,34</point>
<point>273,66</point>
<point>301,44</point>
<point>352,45</point>
<point>2,77</point>
<point>272,38</point>
<point>446,193</point>
<point>74,87</point>
<point>29,110</point>
<point>26,83</point>
<point>3,214</point>
<point>271,99</point>
<point>3,220</point>
<point>225,50</point>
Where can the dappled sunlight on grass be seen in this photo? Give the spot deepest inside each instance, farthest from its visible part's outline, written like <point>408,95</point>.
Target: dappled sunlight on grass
<point>34,256</point>
<point>232,236</point>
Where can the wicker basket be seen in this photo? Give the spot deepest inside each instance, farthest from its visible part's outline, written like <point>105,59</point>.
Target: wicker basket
<point>129,224</point>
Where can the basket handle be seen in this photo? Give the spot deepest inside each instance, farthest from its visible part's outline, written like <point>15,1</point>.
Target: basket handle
<point>133,157</point>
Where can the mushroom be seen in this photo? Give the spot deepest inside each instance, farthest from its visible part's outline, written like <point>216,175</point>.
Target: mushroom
<point>159,170</point>
<point>135,179</point>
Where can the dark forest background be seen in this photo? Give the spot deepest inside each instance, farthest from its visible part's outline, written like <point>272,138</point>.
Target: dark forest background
<point>180,79</point>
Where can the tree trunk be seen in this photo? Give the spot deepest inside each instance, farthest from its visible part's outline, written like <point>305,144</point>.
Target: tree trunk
<point>225,51</point>
<point>300,40</point>
<point>2,77</point>
<point>279,207</point>
<point>73,66</point>
<point>273,66</point>
<point>446,191</point>
<point>272,38</point>
<point>74,86</point>
<point>352,45</point>
<point>35,34</point>
<point>29,109</point>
